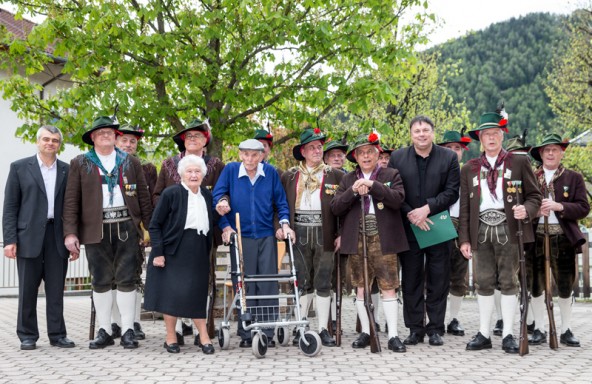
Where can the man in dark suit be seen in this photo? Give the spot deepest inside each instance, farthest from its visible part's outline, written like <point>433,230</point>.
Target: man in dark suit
<point>431,177</point>
<point>33,234</point>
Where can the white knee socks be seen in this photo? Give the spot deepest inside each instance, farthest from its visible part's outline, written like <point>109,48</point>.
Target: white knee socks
<point>509,303</point>
<point>486,305</point>
<point>363,315</point>
<point>391,313</point>
<point>126,301</point>
<point>103,305</point>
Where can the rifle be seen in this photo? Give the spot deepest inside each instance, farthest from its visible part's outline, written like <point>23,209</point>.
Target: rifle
<point>211,295</point>
<point>548,294</point>
<point>374,342</point>
<point>93,316</point>
<point>338,289</point>
<point>523,343</point>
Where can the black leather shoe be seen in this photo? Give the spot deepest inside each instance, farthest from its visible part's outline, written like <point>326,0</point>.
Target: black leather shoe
<point>455,328</point>
<point>115,331</point>
<point>413,339</point>
<point>296,340</point>
<point>530,328</point>
<point>537,338</point>
<point>498,330</point>
<point>479,342</point>
<point>435,339</point>
<point>326,339</point>
<point>246,343</point>
<point>569,339</point>
<point>395,345</point>
<point>102,340</point>
<point>140,335</point>
<point>509,344</point>
<point>128,340</point>
<point>362,341</point>
<point>62,342</point>
<point>172,348</point>
<point>187,330</point>
<point>208,349</point>
<point>29,345</point>
<point>180,339</point>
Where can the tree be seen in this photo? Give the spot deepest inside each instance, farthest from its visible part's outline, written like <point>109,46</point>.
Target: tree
<point>569,84</point>
<point>165,62</point>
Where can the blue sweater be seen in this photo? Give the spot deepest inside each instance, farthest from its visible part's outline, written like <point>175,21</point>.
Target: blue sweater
<point>256,203</point>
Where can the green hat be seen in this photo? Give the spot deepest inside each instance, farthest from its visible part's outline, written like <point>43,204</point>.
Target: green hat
<point>128,129</point>
<point>194,125</point>
<point>489,120</point>
<point>551,138</point>
<point>335,144</point>
<point>306,137</point>
<point>262,134</point>
<point>516,144</point>
<point>455,137</point>
<point>98,123</point>
<point>360,141</point>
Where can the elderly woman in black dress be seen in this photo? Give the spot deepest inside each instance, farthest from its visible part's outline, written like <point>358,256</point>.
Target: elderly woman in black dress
<point>181,235</point>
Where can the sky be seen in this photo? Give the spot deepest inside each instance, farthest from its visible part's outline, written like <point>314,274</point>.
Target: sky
<point>461,16</point>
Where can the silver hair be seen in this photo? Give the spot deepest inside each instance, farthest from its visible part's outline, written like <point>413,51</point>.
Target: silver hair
<point>51,129</point>
<point>191,160</point>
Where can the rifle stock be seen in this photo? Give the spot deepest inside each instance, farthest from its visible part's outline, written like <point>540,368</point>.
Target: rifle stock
<point>523,342</point>
<point>374,341</point>
<point>338,290</point>
<point>93,316</point>
<point>548,294</point>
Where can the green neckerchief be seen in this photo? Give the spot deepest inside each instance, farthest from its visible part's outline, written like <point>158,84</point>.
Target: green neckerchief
<point>112,177</point>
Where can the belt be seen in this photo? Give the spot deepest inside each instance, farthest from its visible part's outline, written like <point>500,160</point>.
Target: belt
<point>492,217</point>
<point>371,225</point>
<point>115,215</point>
<point>308,218</point>
<point>554,229</point>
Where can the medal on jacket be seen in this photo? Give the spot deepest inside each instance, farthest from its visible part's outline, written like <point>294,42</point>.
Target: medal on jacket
<point>565,193</point>
<point>380,206</point>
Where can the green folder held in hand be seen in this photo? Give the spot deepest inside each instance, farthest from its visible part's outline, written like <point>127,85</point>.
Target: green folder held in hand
<point>442,230</point>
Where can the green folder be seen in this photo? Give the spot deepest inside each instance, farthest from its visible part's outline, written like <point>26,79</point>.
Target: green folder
<point>442,230</point>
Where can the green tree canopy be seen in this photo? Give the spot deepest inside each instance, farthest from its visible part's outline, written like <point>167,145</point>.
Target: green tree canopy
<point>165,62</point>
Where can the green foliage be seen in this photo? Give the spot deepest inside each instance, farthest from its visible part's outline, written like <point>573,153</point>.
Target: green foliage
<point>236,62</point>
<point>570,82</point>
<point>507,61</point>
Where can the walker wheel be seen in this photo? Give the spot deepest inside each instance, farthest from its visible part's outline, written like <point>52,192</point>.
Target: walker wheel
<point>282,336</point>
<point>223,338</point>
<point>314,344</point>
<point>259,345</point>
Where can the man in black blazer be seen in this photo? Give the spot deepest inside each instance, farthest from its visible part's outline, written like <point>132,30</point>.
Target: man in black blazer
<point>431,178</point>
<point>33,234</point>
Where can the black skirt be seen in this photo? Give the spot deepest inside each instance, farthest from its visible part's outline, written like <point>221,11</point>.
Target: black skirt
<point>180,288</point>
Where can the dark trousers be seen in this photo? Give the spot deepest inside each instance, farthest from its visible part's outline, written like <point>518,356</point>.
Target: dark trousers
<point>113,261</point>
<point>314,266</point>
<point>427,268</point>
<point>259,258</point>
<point>563,265</point>
<point>51,268</point>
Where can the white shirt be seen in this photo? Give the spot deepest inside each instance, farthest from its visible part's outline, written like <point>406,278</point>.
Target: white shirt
<point>552,217</point>
<point>49,175</point>
<point>197,212</point>
<point>242,171</point>
<point>487,200</point>
<point>109,163</point>
<point>371,209</point>
<point>311,201</point>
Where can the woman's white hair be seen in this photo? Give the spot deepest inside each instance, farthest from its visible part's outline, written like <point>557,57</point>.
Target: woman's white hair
<point>191,160</point>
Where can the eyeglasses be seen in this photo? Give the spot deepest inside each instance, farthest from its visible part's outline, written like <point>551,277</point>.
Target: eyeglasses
<point>194,137</point>
<point>104,132</point>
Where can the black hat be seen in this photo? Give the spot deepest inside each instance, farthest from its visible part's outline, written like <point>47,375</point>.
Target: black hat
<point>98,123</point>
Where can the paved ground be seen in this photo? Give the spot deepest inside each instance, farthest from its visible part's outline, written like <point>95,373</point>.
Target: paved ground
<point>151,363</point>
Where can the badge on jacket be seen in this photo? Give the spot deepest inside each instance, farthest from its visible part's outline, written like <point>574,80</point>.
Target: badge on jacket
<point>565,191</point>
<point>330,189</point>
<point>130,190</point>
